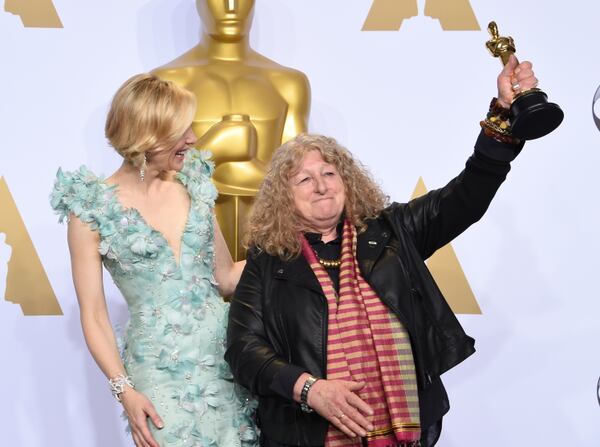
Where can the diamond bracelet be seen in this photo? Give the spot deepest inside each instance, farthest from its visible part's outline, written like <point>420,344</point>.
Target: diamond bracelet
<point>117,385</point>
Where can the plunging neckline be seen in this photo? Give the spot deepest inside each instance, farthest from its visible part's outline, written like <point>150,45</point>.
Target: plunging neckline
<point>123,210</point>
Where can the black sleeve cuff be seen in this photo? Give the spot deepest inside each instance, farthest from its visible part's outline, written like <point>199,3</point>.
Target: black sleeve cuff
<point>283,382</point>
<point>496,150</point>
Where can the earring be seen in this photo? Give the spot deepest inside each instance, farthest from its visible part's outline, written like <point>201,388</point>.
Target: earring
<point>143,169</point>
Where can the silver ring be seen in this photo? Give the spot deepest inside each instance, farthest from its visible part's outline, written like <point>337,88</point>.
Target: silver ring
<point>516,86</point>
<point>341,416</point>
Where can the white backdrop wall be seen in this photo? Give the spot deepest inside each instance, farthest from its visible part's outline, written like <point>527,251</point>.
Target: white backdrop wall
<point>408,104</point>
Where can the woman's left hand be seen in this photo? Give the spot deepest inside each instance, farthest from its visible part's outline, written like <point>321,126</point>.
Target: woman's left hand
<point>339,403</point>
<point>513,79</point>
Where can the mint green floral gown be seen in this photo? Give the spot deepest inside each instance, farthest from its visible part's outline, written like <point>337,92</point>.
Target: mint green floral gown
<point>174,343</point>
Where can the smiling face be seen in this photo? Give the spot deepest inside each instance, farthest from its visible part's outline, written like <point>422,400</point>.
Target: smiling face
<point>171,159</point>
<point>318,191</point>
<point>227,20</point>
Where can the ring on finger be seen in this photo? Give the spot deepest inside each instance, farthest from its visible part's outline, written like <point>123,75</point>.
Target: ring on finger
<point>516,86</point>
<point>341,417</point>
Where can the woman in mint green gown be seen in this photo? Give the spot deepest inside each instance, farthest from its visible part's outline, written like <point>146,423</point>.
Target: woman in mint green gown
<point>151,224</point>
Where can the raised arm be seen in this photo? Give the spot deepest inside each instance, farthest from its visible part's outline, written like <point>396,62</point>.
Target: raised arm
<point>86,266</point>
<point>438,217</point>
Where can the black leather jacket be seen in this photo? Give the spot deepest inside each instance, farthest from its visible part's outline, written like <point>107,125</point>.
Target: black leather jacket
<point>278,316</point>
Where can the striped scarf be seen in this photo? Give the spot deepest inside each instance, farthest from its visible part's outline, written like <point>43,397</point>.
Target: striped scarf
<point>367,343</point>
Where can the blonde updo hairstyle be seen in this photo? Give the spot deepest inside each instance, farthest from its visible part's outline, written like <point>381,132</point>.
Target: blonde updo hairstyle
<point>146,114</point>
<point>274,225</point>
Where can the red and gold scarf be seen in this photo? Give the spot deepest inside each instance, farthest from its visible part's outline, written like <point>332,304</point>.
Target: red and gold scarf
<point>367,343</point>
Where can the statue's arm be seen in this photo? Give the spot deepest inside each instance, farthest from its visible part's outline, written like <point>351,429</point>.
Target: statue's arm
<point>294,88</point>
<point>233,138</point>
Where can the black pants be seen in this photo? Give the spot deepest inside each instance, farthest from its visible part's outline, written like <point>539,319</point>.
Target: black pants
<point>429,437</point>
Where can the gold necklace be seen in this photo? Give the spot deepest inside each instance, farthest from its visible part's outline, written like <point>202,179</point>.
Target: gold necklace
<point>329,263</point>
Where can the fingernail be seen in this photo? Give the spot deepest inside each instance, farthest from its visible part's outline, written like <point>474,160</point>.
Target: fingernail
<point>370,428</point>
<point>161,425</point>
<point>363,433</point>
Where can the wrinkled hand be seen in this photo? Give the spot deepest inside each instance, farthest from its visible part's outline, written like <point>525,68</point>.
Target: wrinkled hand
<point>337,401</point>
<point>514,78</point>
<point>139,408</point>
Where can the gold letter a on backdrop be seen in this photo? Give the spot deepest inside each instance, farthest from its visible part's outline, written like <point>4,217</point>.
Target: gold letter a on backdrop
<point>454,15</point>
<point>34,13</point>
<point>26,281</point>
<point>449,275</point>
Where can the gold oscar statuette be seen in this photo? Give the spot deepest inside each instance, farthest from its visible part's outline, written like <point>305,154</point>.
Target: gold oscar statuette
<point>532,116</point>
<point>248,106</point>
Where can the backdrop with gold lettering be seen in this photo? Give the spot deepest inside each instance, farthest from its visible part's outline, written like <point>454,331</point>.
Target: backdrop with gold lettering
<point>403,84</point>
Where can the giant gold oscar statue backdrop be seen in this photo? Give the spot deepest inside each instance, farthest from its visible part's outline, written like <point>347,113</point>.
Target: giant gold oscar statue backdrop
<point>248,105</point>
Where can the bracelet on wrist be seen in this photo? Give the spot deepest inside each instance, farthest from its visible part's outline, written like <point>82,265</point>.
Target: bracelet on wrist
<point>501,138</point>
<point>497,123</point>
<point>304,394</point>
<point>118,384</point>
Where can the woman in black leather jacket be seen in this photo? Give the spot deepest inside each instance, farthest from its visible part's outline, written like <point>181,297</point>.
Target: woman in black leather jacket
<point>336,323</point>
